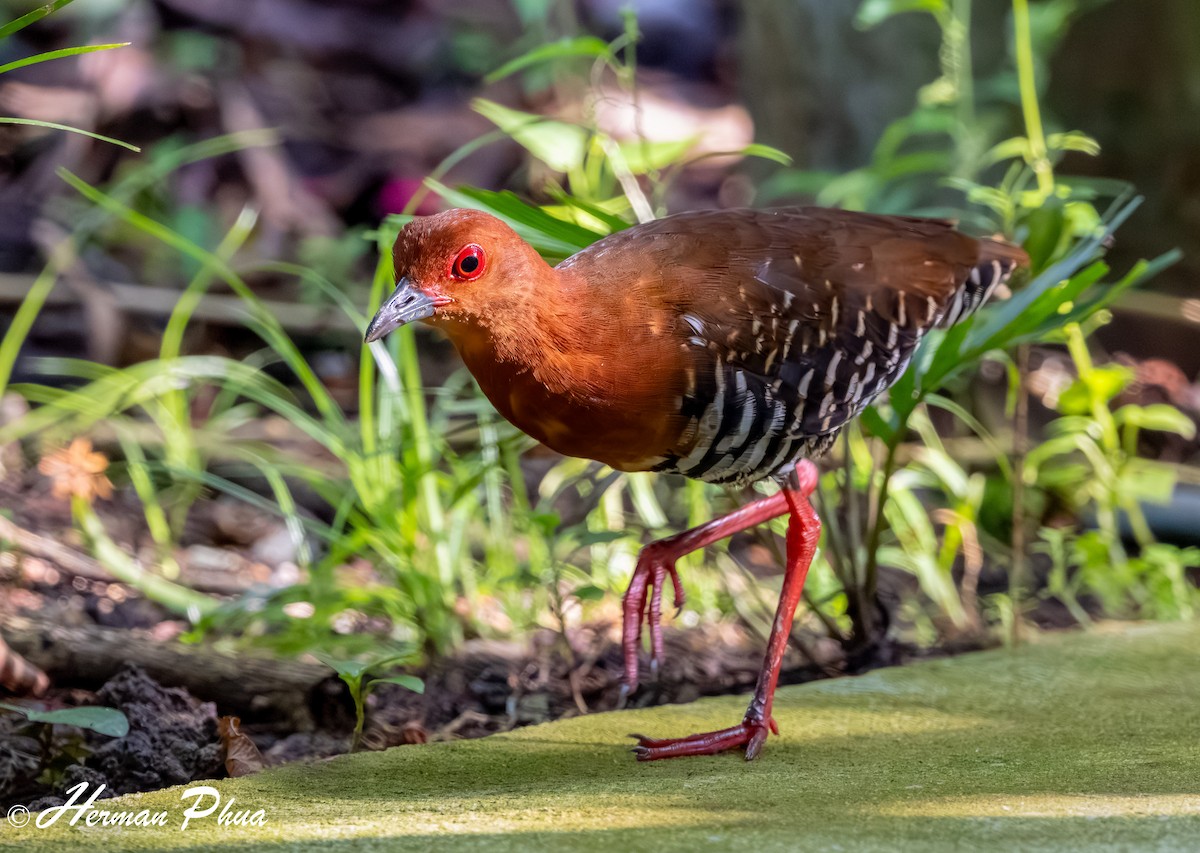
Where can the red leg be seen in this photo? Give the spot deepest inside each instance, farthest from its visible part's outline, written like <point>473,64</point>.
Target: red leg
<point>657,561</point>
<point>804,529</point>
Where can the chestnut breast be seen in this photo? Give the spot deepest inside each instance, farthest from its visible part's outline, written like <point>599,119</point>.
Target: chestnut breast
<point>607,403</point>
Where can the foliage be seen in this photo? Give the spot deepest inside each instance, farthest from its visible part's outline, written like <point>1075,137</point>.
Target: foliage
<point>356,675</point>
<point>19,24</point>
<point>1090,455</point>
<point>1058,220</point>
<point>426,487</point>
<point>1065,232</point>
<point>104,721</point>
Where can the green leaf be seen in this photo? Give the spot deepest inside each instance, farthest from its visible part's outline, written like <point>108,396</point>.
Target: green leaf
<point>58,54</point>
<point>1140,272</point>
<point>567,48</point>
<point>1010,149</point>
<point>1073,140</point>
<point>56,126</point>
<point>766,152</point>
<point>794,182</point>
<point>31,17</point>
<point>345,668</point>
<point>552,237</point>
<point>588,538</point>
<point>589,593</point>
<point>877,426</point>
<point>559,145</point>
<point>1158,416</point>
<point>1148,481</point>
<point>947,353</point>
<point>105,721</point>
<point>609,220</point>
<point>1097,387</point>
<point>641,156</point>
<point>1046,226</point>
<point>409,682</point>
<point>976,426</point>
<point>874,12</point>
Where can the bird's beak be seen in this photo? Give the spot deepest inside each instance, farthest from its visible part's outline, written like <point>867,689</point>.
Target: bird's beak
<point>406,304</point>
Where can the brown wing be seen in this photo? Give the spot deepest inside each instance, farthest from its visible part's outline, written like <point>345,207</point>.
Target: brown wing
<point>792,320</point>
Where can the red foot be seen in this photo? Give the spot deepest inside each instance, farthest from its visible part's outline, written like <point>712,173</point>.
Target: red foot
<point>749,733</point>
<point>643,601</point>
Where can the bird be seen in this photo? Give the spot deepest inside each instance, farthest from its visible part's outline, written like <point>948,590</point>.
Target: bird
<point>728,346</point>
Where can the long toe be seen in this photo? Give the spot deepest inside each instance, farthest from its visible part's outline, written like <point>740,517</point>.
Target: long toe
<point>705,743</point>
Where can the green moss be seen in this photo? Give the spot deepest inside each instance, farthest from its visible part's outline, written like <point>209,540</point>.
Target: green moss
<point>1088,741</point>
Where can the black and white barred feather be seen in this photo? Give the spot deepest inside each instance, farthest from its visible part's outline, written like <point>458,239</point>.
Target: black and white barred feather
<point>823,319</point>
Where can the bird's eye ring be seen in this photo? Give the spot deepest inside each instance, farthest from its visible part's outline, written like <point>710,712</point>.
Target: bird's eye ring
<point>469,264</point>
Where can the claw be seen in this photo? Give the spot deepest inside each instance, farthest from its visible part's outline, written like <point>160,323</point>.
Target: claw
<point>623,696</point>
<point>750,733</point>
<point>680,597</point>
<point>754,747</point>
<point>643,603</point>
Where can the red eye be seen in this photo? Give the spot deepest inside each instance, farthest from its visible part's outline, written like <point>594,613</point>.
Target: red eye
<point>469,263</point>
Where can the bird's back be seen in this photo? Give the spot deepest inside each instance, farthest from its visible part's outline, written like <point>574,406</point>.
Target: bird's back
<point>774,328</point>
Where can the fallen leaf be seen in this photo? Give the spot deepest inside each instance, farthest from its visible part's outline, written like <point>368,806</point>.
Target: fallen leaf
<point>78,471</point>
<point>242,757</point>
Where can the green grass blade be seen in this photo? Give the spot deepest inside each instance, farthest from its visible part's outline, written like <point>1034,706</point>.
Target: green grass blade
<point>567,48</point>
<point>56,126</point>
<point>31,18</point>
<point>59,54</point>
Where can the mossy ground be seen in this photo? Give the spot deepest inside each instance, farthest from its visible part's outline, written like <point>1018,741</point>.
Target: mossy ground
<point>1076,742</point>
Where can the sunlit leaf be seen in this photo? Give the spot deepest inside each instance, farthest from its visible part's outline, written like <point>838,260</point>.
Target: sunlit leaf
<point>1145,480</point>
<point>1097,387</point>
<point>642,156</point>
<point>1158,416</point>
<point>766,152</point>
<point>874,12</point>
<point>58,54</point>
<point>559,145</point>
<point>567,48</point>
<point>1073,141</point>
<point>552,237</point>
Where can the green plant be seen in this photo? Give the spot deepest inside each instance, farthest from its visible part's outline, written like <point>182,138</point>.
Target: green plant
<point>1007,185</point>
<point>427,486</point>
<point>1058,222</point>
<point>356,676</point>
<point>1090,456</point>
<point>63,255</point>
<point>21,23</point>
<point>104,721</point>
<point>399,490</point>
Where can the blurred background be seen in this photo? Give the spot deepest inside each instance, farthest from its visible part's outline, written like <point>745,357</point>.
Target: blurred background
<point>201,466</point>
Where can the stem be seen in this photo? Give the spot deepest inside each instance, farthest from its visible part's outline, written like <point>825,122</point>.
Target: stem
<point>61,257</point>
<point>866,593</point>
<point>957,36</point>
<point>360,714</point>
<point>1016,578</point>
<point>1039,160</point>
<point>419,423</point>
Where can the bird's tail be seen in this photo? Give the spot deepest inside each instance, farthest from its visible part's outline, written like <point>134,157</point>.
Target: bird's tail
<point>998,261</point>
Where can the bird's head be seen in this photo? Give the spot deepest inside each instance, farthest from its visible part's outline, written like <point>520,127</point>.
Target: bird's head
<point>458,267</point>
